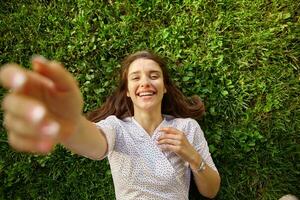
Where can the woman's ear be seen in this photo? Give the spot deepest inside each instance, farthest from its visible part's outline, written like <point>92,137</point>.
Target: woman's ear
<point>165,90</point>
<point>127,93</point>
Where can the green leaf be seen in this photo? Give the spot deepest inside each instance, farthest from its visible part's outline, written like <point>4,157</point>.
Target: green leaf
<point>185,78</point>
<point>224,92</point>
<point>286,15</point>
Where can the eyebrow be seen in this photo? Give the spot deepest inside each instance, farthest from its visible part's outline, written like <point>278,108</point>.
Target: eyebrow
<point>138,72</point>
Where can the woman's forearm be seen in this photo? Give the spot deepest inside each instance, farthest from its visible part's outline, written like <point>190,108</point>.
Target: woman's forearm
<point>87,141</point>
<point>207,181</point>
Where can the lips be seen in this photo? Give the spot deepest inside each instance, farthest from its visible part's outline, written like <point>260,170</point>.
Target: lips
<point>145,93</point>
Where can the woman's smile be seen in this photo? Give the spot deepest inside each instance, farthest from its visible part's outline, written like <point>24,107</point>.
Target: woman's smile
<point>145,84</point>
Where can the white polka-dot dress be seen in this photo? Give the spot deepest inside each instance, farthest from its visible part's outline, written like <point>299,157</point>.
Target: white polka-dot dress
<point>140,169</point>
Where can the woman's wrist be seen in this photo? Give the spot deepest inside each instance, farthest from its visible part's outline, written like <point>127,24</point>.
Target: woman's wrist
<point>196,161</point>
<point>73,129</point>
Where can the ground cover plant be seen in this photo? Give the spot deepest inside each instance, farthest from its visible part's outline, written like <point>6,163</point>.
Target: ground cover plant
<point>241,57</point>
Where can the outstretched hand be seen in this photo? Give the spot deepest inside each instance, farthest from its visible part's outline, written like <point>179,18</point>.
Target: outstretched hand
<point>43,106</point>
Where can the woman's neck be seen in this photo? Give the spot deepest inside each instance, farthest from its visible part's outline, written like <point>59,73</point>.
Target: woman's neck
<point>148,120</point>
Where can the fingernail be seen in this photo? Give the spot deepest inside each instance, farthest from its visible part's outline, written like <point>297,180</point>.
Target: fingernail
<point>39,58</point>
<point>51,129</point>
<point>37,114</point>
<point>18,81</point>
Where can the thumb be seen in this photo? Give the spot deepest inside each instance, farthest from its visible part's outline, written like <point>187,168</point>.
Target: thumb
<point>62,79</point>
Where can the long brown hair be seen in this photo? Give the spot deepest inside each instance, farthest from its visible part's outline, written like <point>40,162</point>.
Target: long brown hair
<point>174,102</point>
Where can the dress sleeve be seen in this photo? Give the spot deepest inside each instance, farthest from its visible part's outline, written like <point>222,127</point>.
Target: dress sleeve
<point>108,126</point>
<point>201,145</point>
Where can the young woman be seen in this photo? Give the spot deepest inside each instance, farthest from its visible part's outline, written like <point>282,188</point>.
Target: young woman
<point>145,128</point>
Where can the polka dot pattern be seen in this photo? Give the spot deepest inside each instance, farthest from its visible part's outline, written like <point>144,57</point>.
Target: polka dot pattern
<point>140,169</point>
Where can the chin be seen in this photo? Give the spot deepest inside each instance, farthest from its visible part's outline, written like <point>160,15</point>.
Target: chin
<point>148,107</point>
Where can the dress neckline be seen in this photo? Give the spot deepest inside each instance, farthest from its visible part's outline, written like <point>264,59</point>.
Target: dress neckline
<point>151,135</point>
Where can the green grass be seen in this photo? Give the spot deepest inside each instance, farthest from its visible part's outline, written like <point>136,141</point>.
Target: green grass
<point>241,57</point>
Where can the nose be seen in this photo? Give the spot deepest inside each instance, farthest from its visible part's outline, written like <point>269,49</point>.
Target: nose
<point>145,82</point>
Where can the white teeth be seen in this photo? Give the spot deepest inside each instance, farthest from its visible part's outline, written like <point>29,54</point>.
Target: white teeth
<point>146,94</point>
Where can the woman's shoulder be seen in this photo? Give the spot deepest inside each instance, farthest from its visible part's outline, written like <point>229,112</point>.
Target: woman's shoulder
<point>114,118</point>
<point>189,126</point>
<point>111,119</point>
<point>180,120</point>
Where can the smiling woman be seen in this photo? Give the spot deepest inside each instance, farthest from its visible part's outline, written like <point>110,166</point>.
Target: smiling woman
<point>173,103</point>
<point>145,86</point>
<point>161,111</point>
<point>145,128</point>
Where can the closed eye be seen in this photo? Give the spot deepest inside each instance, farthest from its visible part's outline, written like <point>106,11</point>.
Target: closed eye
<point>135,78</point>
<point>154,76</point>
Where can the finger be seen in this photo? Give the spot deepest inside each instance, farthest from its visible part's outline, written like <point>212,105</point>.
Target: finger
<point>24,107</point>
<point>170,130</point>
<point>16,125</point>
<point>167,135</point>
<point>28,144</point>
<point>12,76</point>
<point>55,71</point>
<point>169,147</point>
<point>169,141</point>
<point>45,129</point>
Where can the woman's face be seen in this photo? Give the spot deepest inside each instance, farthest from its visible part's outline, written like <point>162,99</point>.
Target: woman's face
<point>145,84</point>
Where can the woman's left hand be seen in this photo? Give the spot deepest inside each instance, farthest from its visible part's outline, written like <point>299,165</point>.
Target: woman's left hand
<point>174,140</point>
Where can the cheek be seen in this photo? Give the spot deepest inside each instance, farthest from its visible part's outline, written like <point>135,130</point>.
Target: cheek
<point>159,85</point>
<point>131,88</point>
